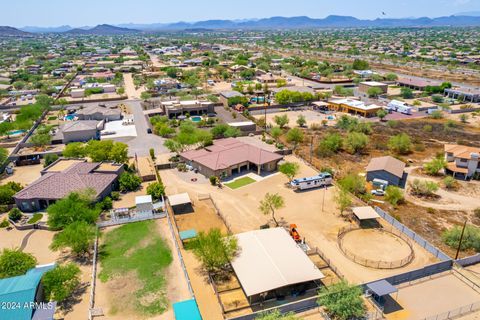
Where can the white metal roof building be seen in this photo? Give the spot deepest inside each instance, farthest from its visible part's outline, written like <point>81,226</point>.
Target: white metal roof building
<point>270,259</point>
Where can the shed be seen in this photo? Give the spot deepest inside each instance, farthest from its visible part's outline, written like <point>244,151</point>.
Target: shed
<point>180,203</point>
<point>144,204</point>
<point>387,168</point>
<point>186,310</point>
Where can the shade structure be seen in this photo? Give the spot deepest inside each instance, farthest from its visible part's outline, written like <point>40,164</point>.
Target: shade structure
<point>365,213</point>
<point>270,259</point>
<point>179,199</point>
<point>381,288</point>
<point>186,310</point>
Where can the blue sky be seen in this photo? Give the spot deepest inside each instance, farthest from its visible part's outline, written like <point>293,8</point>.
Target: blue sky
<point>92,12</point>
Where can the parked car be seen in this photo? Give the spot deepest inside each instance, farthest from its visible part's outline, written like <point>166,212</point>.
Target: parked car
<point>149,131</point>
<point>378,192</point>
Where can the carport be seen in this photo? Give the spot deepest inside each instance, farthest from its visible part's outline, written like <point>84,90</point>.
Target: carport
<point>180,203</point>
<point>380,290</point>
<point>366,215</point>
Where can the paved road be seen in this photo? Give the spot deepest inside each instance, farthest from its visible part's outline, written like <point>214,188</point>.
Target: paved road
<point>142,143</point>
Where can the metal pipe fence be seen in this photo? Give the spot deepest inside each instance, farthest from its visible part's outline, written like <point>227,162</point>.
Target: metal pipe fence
<point>455,313</point>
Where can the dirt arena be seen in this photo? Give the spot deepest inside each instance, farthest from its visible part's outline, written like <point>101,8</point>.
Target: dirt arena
<point>375,245</point>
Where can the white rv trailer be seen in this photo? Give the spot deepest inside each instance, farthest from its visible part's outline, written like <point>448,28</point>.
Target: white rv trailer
<point>323,179</point>
<point>399,106</point>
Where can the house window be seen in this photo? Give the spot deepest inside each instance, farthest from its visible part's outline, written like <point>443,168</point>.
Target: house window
<point>463,160</point>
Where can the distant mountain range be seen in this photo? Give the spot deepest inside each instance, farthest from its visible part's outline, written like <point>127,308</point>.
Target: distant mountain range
<point>6,31</point>
<point>102,29</point>
<point>303,22</point>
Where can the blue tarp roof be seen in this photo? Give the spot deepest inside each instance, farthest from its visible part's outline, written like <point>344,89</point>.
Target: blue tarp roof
<point>381,288</point>
<point>188,234</point>
<point>20,291</point>
<point>186,310</point>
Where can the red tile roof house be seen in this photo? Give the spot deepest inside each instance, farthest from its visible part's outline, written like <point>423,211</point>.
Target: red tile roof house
<point>65,176</point>
<point>230,156</point>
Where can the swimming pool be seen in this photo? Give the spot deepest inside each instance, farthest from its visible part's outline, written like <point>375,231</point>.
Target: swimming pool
<point>70,117</point>
<point>16,132</point>
<point>196,119</point>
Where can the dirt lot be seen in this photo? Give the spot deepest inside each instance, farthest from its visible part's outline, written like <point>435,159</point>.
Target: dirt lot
<point>37,243</point>
<point>445,293</point>
<point>107,294</point>
<point>23,175</point>
<point>318,225</point>
<point>312,117</point>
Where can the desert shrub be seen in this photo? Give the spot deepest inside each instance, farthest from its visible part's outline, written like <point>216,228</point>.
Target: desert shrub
<point>394,195</point>
<point>15,214</point>
<point>115,195</point>
<point>423,188</point>
<point>449,182</point>
<point>331,144</point>
<point>400,144</point>
<point>356,142</point>
<point>353,183</point>
<point>4,223</point>
<point>471,238</point>
<point>433,167</point>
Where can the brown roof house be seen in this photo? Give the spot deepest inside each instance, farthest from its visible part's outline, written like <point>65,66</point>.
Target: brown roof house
<point>65,176</point>
<point>462,160</point>
<point>230,156</point>
<point>389,169</point>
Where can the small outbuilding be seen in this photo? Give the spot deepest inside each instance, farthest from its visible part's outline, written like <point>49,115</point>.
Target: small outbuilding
<point>380,290</point>
<point>389,169</point>
<point>144,204</point>
<point>180,203</point>
<point>365,215</point>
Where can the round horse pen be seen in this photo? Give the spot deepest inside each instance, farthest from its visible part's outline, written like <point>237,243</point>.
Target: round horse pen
<point>375,247</point>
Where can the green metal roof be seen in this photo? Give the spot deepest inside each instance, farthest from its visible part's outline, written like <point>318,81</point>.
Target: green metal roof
<point>17,293</point>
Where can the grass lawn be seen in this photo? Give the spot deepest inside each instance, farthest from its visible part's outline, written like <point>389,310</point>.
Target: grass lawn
<point>138,247</point>
<point>36,217</point>
<point>240,182</point>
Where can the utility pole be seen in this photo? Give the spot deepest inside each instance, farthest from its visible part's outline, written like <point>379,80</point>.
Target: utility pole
<point>461,240</point>
<point>311,150</point>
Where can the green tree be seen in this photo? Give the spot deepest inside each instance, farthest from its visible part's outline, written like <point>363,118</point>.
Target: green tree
<point>433,167</point>
<point>281,121</point>
<point>400,143</point>
<point>276,132</point>
<point>49,159</point>
<point>360,65</point>
<point>343,200</point>
<point>60,282</point>
<point>295,136</point>
<point>15,214</point>
<point>270,203</point>
<point>289,169</point>
<point>406,93</point>
<point>7,191</point>
<point>214,249</point>
<point>391,77</point>
<point>382,114</point>
<point>14,262</point>
<point>156,190</point>
<point>394,195</point>
<point>129,182</point>
<point>145,95</point>
<point>3,155</point>
<point>342,301</point>
<point>353,183</point>
<point>74,207</point>
<point>78,236</point>
<point>374,92</point>
<point>232,132</point>
<point>332,143</point>
<point>356,142</point>
<point>41,139</point>
<point>301,121</point>
<point>74,150</point>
